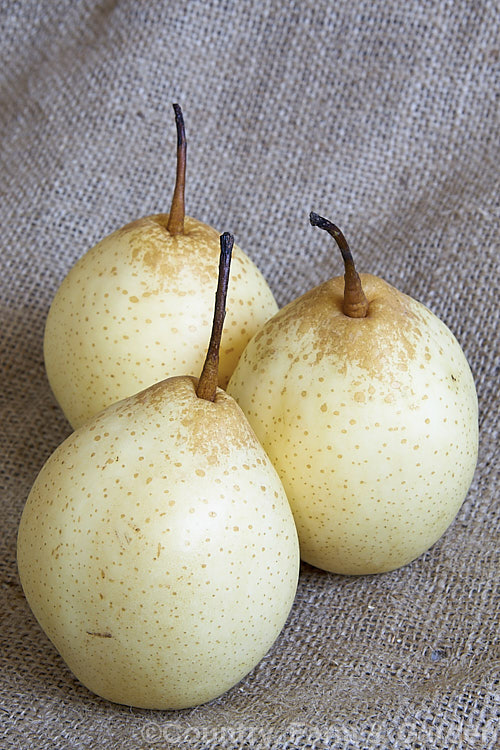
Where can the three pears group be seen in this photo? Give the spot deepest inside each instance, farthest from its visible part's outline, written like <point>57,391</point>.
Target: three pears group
<point>159,545</point>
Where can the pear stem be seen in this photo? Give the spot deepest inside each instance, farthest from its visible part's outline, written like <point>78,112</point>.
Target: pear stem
<point>355,303</point>
<point>209,378</point>
<point>175,224</point>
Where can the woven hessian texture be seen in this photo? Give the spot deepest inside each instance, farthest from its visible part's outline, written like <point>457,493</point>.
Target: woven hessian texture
<point>380,115</point>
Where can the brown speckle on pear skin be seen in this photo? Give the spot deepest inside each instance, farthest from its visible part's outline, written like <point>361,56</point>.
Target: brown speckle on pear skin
<point>148,248</point>
<point>335,335</point>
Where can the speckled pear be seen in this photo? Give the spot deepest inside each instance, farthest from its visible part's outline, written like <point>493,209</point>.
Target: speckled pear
<point>136,308</point>
<point>366,405</point>
<point>157,548</point>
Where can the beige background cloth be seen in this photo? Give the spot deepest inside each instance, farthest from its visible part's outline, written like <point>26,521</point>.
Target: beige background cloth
<point>382,116</point>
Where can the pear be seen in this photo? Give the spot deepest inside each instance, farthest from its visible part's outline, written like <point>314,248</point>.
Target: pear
<point>136,308</point>
<point>157,548</point>
<point>365,403</point>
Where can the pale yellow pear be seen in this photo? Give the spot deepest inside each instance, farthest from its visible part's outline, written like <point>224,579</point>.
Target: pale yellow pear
<point>137,307</point>
<point>157,548</point>
<point>371,423</point>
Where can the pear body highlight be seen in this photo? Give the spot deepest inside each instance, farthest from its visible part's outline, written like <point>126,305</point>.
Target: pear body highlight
<point>371,423</point>
<point>137,308</point>
<point>157,549</point>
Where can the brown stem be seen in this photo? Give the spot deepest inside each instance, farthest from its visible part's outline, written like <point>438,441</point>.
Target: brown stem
<point>355,303</point>
<point>175,223</point>
<point>207,384</point>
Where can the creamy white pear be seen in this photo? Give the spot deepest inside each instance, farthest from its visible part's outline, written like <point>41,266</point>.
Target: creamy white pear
<point>136,308</point>
<point>370,421</point>
<point>157,548</point>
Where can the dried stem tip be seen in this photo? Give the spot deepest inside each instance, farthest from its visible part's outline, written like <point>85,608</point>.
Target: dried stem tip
<point>355,303</point>
<point>207,384</point>
<point>175,223</point>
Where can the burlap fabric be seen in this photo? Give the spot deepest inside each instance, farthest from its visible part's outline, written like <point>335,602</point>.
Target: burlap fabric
<point>383,117</point>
